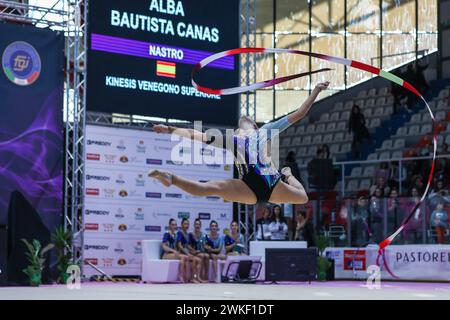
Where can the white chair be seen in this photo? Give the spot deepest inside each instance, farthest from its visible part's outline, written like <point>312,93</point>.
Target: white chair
<point>331,127</point>
<point>369,171</point>
<point>381,101</point>
<point>356,172</point>
<point>348,105</point>
<point>416,118</point>
<point>367,113</point>
<point>378,112</point>
<point>317,139</point>
<point>397,155</point>
<point>399,144</point>
<point>154,269</point>
<point>370,102</point>
<point>372,156</point>
<point>324,117</point>
<point>362,94</point>
<point>365,184</point>
<point>440,116</point>
<point>297,141</point>
<point>413,130</point>
<point>307,140</point>
<point>372,92</point>
<point>387,144</point>
<point>334,148</point>
<point>320,128</point>
<point>300,130</point>
<point>442,104</point>
<point>375,123</point>
<point>334,116</point>
<point>385,155</point>
<point>339,137</point>
<point>346,147</point>
<point>328,138</point>
<point>383,91</point>
<point>402,131</point>
<point>352,185</point>
<point>426,129</point>
<point>290,131</point>
<point>310,128</point>
<point>345,116</point>
<point>341,126</point>
<point>390,100</point>
<point>444,93</point>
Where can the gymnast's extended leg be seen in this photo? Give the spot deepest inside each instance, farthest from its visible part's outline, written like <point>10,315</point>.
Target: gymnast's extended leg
<point>233,190</point>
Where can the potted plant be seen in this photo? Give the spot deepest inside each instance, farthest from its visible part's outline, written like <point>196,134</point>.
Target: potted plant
<point>36,258</point>
<point>322,262</point>
<point>62,241</point>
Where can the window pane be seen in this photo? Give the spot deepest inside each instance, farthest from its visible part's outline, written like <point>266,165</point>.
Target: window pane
<point>398,49</point>
<point>328,16</point>
<point>331,45</point>
<point>264,15</point>
<point>264,62</point>
<point>428,15</point>
<point>292,16</point>
<point>288,101</point>
<point>363,15</point>
<point>364,48</point>
<point>428,41</point>
<point>264,101</point>
<point>399,15</point>
<point>288,64</point>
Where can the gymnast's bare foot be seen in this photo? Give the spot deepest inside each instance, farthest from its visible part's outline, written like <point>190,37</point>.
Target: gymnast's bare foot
<point>162,176</point>
<point>286,171</point>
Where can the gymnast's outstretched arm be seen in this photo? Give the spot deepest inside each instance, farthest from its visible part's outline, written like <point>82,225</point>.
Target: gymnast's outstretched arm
<point>301,112</point>
<point>184,132</point>
<point>284,122</point>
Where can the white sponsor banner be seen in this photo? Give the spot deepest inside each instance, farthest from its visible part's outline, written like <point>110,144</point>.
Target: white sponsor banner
<point>123,205</point>
<point>405,262</point>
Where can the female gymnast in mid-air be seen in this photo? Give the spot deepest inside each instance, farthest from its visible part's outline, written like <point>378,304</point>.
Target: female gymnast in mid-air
<point>259,182</point>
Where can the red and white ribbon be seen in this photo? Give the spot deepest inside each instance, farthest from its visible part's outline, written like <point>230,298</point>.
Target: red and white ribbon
<point>350,63</point>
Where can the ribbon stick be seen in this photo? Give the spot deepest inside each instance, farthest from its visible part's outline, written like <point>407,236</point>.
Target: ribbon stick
<point>343,61</point>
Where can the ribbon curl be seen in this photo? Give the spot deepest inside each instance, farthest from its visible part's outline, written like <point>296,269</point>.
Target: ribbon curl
<point>343,61</point>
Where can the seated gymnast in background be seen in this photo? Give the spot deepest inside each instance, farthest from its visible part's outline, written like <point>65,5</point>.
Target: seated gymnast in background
<point>214,245</point>
<point>170,252</point>
<point>259,182</point>
<point>196,246</point>
<point>234,241</point>
<point>182,245</point>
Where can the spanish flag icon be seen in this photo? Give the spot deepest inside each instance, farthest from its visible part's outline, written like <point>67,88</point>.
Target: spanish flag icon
<point>165,69</point>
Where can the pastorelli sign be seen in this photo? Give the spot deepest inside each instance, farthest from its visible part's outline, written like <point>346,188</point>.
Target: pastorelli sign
<point>415,262</point>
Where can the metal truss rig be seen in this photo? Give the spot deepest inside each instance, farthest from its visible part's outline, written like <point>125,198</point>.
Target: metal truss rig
<point>68,16</point>
<point>247,214</point>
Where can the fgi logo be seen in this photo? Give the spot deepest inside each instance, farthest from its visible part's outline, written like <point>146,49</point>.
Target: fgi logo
<point>21,63</point>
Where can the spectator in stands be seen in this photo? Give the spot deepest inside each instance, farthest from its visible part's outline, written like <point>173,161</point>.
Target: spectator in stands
<point>278,227</point>
<point>381,185</point>
<point>438,194</point>
<point>398,92</point>
<point>414,226</point>
<point>360,228</point>
<point>291,162</point>
<point>321,175</point>
<point>410,76</point>
<point>444,149</point>
<point>214,245</point>
<point>395,212</point>
<point>439,219</point>
<point>263,224</point>
<point>417,182</point>
<point>396,178</point>
<point>382,171</point>
<point>196,247</point>
<point>442,171</point>
<point>304,229</point>
<point>357,125</point>
<point>234,241</point>
<point>420,81</point>
<point>170,252</point>
<point>182,247</point>
<point>376,211</point>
